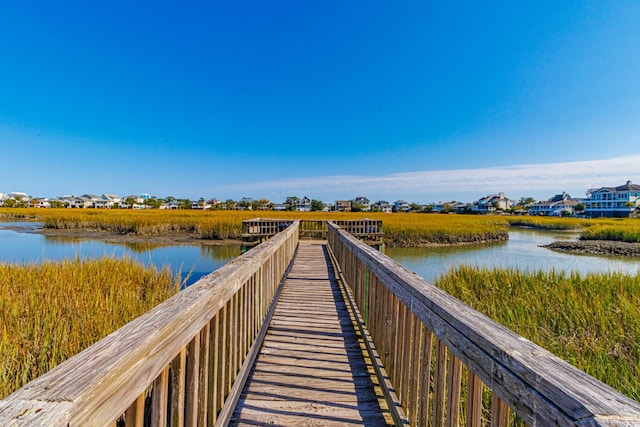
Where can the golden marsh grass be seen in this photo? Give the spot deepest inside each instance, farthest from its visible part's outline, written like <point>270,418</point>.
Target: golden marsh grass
<point>591,321</point>
<point>51,311</point>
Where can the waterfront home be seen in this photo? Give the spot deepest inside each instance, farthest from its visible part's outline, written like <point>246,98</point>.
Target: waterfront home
<point>280,207</point>
<point>492,203</point>
<point>112,200</point>
<point>363,202</point>
<point>303,205</point>
<point>613,202</point>
<point>558,205</point>
<point>343,205</point>
<point>401,206</point>
<point>383,206</point>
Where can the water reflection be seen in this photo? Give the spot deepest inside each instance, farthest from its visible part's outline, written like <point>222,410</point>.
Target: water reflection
<point>19,244</point>
<point>521,251</point>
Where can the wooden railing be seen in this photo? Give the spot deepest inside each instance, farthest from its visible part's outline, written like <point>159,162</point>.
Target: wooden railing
<point>448,364</point>
<point>176,365</point>
<point>257,230</point>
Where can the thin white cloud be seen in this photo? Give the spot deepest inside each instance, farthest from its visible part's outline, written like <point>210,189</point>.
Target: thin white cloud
<point>518,179</point>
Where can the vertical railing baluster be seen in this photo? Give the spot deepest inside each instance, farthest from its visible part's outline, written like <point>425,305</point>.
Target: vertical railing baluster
<point>454,383</point>
<point>499,412</point>
<point>134,417</point>
<point>193,377</point>
<point>426,352</point>
<point>177,373</point>
<point>474,401</point>
<point>203,375</point>
<point>439,383</point>
<point>159,398</point>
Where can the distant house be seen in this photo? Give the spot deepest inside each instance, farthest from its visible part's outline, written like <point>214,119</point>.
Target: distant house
<point>492,203</point>
<point>401,206</point>
<point>303,205</point>
<point>343,205</point>
<point>558,205</point>
<point>452,206</point>
<point>382,206</point>
<point>280,207</point>
<point>112,200</point>
<point>613,202</point>
<point>363,202</point>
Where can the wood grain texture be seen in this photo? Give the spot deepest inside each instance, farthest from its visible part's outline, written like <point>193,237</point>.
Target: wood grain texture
<point>540,387</point>
<point>99,384</point>
<point>311,369</point>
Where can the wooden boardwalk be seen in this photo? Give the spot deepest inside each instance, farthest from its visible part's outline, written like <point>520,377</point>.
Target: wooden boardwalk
<point>311,369</point>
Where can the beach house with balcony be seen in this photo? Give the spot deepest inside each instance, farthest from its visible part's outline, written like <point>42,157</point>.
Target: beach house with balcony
<point>613,202</point>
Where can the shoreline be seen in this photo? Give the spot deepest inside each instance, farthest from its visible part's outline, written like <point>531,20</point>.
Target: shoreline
<point>155,239</point>
<point>596,247</point>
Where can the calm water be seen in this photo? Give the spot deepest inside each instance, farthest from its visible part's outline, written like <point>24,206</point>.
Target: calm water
<point>192,262</point>
<point>521,251</point>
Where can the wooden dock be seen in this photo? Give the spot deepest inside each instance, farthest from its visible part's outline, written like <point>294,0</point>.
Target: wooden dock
<point>311,369</point>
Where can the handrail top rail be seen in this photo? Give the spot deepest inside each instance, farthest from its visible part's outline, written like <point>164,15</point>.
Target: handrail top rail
<point>83,388</point>
<point>504,360</point>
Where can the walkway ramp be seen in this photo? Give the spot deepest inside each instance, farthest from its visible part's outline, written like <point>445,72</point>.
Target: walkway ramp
<point>312,369</point>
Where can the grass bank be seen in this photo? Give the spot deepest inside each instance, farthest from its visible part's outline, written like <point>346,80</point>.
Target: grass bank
<point>623,230</point>
<point>399,229</point>
<point>549,223</point>
<point>591,321</point>
<point>52,311</point>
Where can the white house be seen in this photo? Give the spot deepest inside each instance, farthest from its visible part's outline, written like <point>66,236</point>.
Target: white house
<point>363,202</point>
<point>558,205</point>
<point>303,205</point>
<point>616,202</point>
<point>401,206</point>
<point>111,200</point>
<point>383,206</point>
<point>492,203</point>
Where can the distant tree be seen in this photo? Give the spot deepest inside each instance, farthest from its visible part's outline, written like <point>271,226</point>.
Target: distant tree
<point>357,207</point>
<point>57,204</point>
<point>317,205</point>
<point>229,204</point>
<point>427,208</point>
<point>184,203</point>
<point>9,203</point>
<point>416,207</point>
<point>264,204</point>
<point>152,202</point>
<point>130,201</point>
<point>291,202</point>
<point>525,202</point>
<point>579,207</point>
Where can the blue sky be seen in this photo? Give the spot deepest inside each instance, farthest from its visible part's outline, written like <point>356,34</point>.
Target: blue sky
<point>415,100</point>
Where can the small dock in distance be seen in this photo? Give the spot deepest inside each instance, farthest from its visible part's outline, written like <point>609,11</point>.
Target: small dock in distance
<point>258,230</point>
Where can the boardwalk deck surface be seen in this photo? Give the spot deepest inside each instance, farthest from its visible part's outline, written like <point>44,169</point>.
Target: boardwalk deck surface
<point>311,369</point>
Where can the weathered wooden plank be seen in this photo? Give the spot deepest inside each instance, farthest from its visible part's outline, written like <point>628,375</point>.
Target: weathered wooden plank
<point>311,367</point>
<point>540,387</point>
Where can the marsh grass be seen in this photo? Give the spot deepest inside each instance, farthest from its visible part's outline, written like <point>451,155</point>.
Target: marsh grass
<point>399,229</point>
<point>549,223</point>
<point>51,311</point>
<point>592,321</point>
<point>627,230</point>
